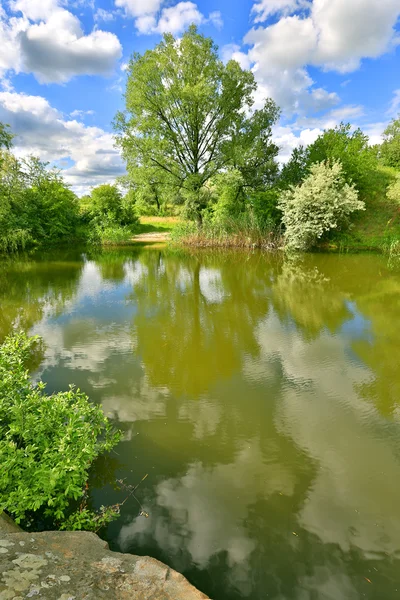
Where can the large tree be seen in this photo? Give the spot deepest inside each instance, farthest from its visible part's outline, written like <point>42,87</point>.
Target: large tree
<point>190,116</point>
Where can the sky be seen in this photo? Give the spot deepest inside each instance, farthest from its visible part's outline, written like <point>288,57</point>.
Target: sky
<point>63,68</point>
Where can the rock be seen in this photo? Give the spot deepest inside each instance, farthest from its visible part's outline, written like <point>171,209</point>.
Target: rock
<point>7,525</point>
<point>61,565</point>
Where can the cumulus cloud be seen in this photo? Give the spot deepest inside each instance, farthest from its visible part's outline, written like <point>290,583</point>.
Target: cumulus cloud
<point>42,130</point>
<point>49,42</point>
<point>330,34</point>
<point>233,52</point>
<point>335,34</point>
<point>287,138</point>
<point>138,8</point>
<point>176,18</point>
<point>35,10</point>
<point>152,17</point>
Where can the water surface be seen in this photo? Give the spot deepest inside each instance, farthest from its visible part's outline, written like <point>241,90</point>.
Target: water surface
<point>261,395</point>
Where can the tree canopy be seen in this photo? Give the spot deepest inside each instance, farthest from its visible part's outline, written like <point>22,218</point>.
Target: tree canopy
<point>390,149</point>
<point>351,148</point>
<point>189,116</point>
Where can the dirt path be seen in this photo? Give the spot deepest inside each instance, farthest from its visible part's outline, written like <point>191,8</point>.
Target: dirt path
<point>152,237</point>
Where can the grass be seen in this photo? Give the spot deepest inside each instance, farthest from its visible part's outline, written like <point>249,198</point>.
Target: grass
<point>376,228</point>
<point>158,224</point>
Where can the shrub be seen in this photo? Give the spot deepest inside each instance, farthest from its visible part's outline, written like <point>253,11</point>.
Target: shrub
<point>264,207</point>
<point>323,202</point>
<point>47,445</point>
<point>106,207</point>
<point>393,191</point>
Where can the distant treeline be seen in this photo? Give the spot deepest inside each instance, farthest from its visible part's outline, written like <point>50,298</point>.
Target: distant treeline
<point>37,207</point>
<point>195,146</point>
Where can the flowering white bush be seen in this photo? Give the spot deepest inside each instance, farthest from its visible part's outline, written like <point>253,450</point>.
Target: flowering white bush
<point>322,202</point>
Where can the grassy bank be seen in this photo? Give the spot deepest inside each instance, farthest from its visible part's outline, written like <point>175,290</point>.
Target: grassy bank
<point>158,224</point>
<point>377,228</point>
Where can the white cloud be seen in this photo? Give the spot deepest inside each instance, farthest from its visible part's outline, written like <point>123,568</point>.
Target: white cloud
<point>215,18</point>
<point>394,108</point>
<point>349,31</point>
<point>48,41</point>
<point>266,8</point>
<point>375,132</point>
<point>173,19</point>
<point>152,17</point>
<point>81,113</point>
<point>332,34</point>
<point>139,8</point>
<point>57,49</point>
<point>176,18</point>
<point>233,52</point>
<point>103,15</point>
<point>287,140</point>
<point>35,10</point>
<point>42,130</point>
<point>146,24</point>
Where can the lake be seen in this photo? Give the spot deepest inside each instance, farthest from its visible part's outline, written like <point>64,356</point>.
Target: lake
<point>260,395</point>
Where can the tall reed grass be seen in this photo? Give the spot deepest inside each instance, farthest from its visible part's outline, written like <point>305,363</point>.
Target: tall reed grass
<point>244,231</point>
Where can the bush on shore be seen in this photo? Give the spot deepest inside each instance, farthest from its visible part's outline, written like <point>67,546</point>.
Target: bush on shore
<point>322,203</point>
<point>47,445</point>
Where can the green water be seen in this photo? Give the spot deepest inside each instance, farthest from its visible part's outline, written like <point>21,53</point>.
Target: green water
<point>261,396</point>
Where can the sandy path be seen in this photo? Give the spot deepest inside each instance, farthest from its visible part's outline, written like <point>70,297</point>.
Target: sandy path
<point>153,236</point>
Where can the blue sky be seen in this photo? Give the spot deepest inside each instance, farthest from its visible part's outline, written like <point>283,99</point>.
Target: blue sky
<point>62,68</point>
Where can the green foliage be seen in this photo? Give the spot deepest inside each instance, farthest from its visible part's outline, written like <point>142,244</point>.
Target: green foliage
<point>5,137</point>
<point>36,207</point>
<point>358,159</point>
<point>323,202</point>
<point>296,169</point>
<point>264,207</point>
<point>390,149</point>
<point>89,520</point>
<point>110,235</point>
<point>228,190</point>
<point>47,444</point>
<point>51,209</point>
<point>187,119</point>
<point>106,207</point>
<point>393,191</point>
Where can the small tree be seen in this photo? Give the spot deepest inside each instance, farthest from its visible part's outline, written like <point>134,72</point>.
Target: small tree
<point>323,202</point>
<point>390,149</point>
<point>351,148</point>
<point>107,206</point>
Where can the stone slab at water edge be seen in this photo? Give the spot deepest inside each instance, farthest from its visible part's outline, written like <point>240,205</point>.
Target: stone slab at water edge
<point>60,565</point>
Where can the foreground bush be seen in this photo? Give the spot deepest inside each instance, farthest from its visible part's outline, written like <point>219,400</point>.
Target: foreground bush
<point>323,202</point>
<point>47,445</point>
